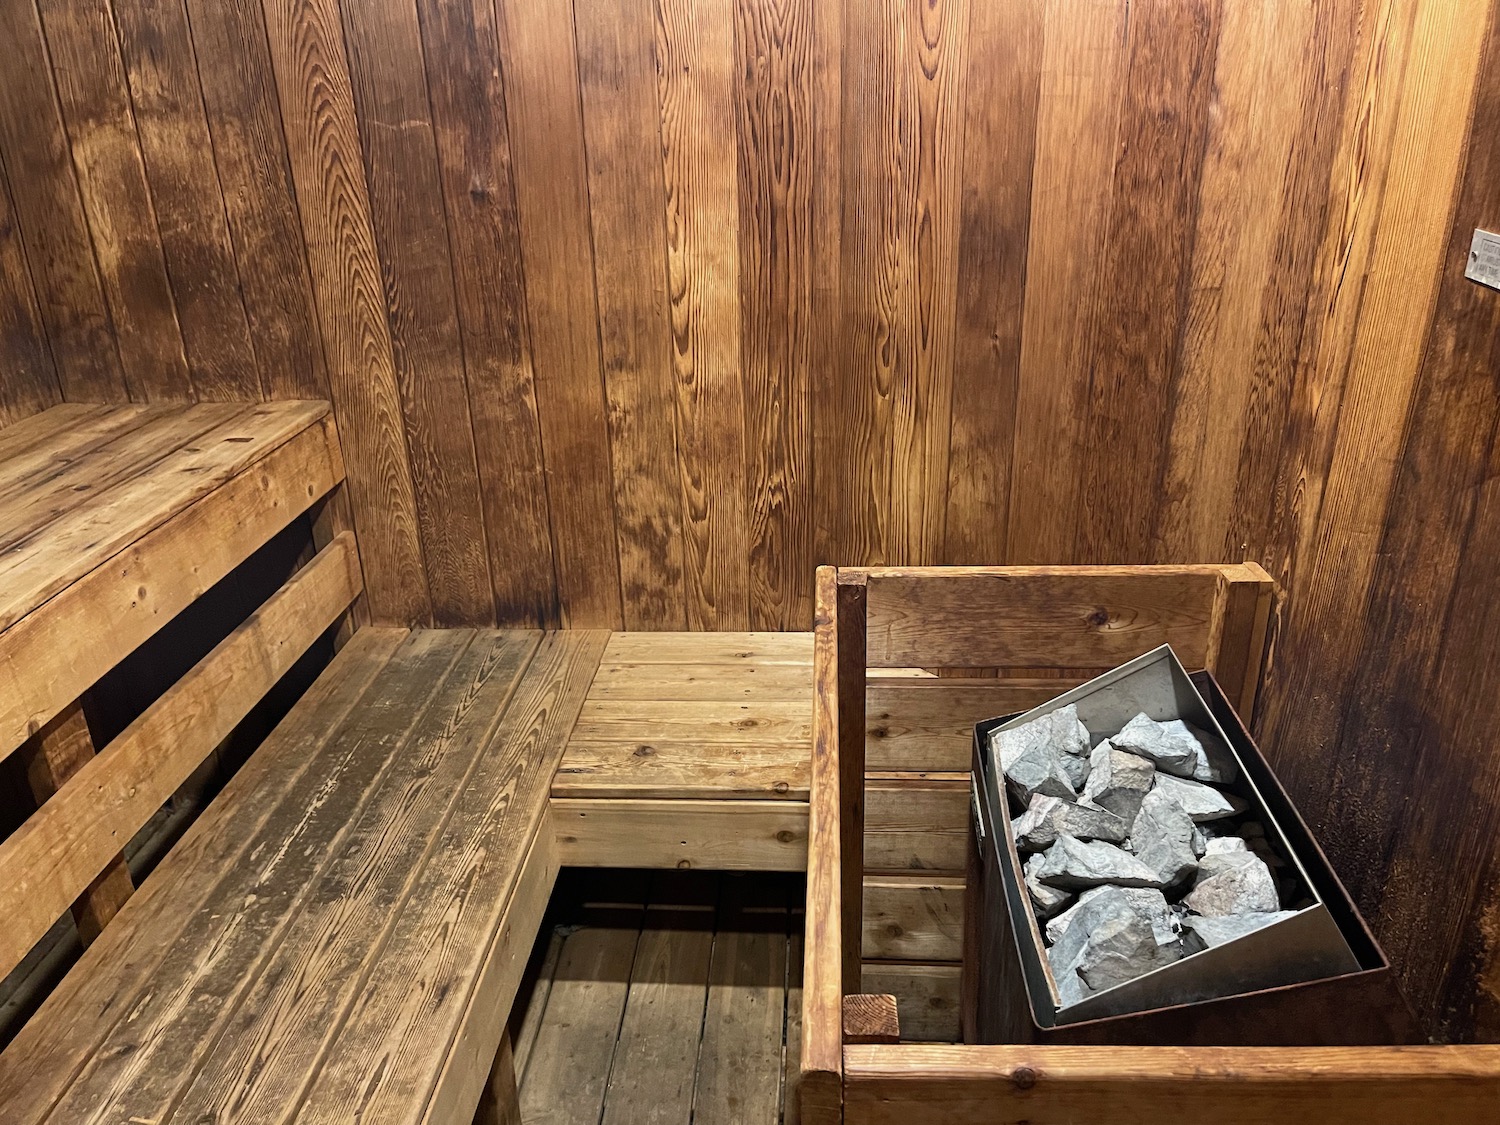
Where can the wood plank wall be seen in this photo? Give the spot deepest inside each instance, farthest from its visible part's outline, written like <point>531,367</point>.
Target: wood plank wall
<point>634,310</point>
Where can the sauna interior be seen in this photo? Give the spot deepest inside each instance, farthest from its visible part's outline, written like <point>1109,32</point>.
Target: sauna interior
<point>510,512</point>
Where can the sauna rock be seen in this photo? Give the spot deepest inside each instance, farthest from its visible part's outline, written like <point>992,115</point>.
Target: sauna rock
<point>1199,801</point>
<point>1233,883</point>
<point>1075,864</point>
<point>1047,756</point>
<point>1046,818</point>
<point>1118,781</point>
<point>1162,838</point>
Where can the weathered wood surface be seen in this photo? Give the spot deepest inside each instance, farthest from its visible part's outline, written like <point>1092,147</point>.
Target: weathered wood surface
<point>665,1002</point>
<point>925,296</point>
<point>58,851</point>
<point>371,912</point>
<point>167,555</point>
<point>1242,1086</point>
<point>694,716</point>
<point>871,1018</point>
<point>716,834</point>
<point>927,997</point>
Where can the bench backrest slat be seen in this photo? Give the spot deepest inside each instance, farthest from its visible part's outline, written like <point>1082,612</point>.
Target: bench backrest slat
<point>52,858</point>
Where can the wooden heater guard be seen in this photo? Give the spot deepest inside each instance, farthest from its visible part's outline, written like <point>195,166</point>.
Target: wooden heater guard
<point>1025,623</point>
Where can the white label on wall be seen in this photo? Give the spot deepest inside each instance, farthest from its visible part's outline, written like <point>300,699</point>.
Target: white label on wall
<point>1484,259</point>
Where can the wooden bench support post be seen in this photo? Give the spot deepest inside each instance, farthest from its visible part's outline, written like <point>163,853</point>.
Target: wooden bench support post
<point>53,755</point>
<point>331,516</point>
<point>871,1017</point>
<point>500,1104</point>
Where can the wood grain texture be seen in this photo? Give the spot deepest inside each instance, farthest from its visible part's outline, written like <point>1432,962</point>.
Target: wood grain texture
<point>49,212</point>
<point>172,131</point>
<point>152,580</point>
<point>478,194</point>
<point>774,114</point>
<point>539,62</point>
<point>59,850</point>
<point>48,1053</point>
<point>922,283</point>
<point>627,202</point>
<point>96,109</point>
<point>260,205</point>
<point>695,65</point>
<point>317,108</point>
<point>1051,1086</point>
<point>30,383</point>
<point>384,48</point>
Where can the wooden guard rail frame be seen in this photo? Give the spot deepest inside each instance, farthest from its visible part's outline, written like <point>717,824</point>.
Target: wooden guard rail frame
<point>125,565</point>
<point>1034,630</point>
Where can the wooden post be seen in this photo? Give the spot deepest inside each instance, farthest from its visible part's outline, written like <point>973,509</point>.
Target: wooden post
<point>871,1017</point>
<point>850,616</point>
<point>53,755</point>
<point>500,1102</point>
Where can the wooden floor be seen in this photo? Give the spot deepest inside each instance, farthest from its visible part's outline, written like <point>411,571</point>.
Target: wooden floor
<point>663,998</point>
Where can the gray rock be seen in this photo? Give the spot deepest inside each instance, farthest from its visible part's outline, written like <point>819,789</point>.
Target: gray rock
<point>1118,781</point>
<point>1045,900</point>
<point>1122,949</point>
<point>1214,760</point>
<point>1233,883</point>
<point>1037,757</point>
<point>1162,838</point>
<point>1199,801</point>
<point>1073,864</point>
<point>1148,902</point>
<point>1111,936</point>
<point>1071,988</point>
<point>1046,818</point>
<point>1200,841</point>
<point>1224,845</point>
<point>1170,745</point>
<point>1216,931</point>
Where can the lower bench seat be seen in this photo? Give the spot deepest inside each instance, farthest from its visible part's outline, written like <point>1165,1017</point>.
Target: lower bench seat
<point>692,751</point>
<point>339,936</point>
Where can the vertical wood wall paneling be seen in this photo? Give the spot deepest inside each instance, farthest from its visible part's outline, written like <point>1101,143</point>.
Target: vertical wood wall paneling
<point>695,62</point>
<point>386,70</point>
<point>552,203</point>
<point>1005,64</point>
<point>631,311</point>
<point>468,116</point>
<point>1409,136</point>
<point>92,89</point>
<point>28,383</point>
<point>1083,63</point>
<point>1261,74</point>
<point>1426,613</point>
<point>317,105</point>
<point>1291,314</point>
<point>167,101</point>
<point>833,537</point>
<point>932,53</point>
<point>628,206</point>
<point>1145,270</point>
<point>250,153</point>
<point>774,102</point>
<point>49,213</point>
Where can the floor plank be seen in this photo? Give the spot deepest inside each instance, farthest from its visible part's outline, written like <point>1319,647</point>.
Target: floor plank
<point>617,1021</point>
<point>567,1073</point>
<point>651,1082</point>
<point>741,1064</point>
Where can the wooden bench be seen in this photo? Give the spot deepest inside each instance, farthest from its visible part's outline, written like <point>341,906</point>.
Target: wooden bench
<point>692,751</point>
<point>340,934</point>
<point>876,731</point>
